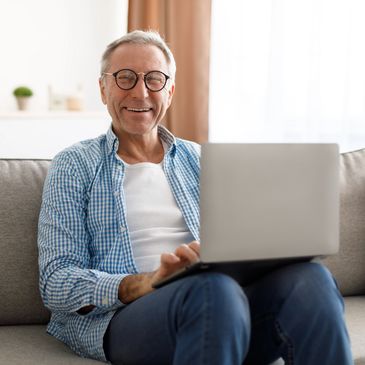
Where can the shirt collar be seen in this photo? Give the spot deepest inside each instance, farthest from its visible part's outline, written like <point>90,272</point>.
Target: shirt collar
<point>111,141</point>
<point>165,135</point>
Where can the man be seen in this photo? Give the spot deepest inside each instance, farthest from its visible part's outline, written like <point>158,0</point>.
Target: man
<point>121,211</point>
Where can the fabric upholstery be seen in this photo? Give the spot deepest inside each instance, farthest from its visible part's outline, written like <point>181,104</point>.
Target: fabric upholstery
<point>355,319</point>
<point>348,266</point>
<point>31,345</point>
<point>21,183</point>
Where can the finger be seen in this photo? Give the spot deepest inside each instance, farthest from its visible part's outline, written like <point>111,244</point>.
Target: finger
<point>169,259</point>
<point>169,264</point>
<point>195,246</point>
<point>184,252</point>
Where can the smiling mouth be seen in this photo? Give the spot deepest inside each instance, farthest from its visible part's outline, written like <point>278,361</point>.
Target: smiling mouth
<point>138,110</point>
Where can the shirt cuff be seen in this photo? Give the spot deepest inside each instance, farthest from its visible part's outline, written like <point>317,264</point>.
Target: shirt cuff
<point>106,291</point>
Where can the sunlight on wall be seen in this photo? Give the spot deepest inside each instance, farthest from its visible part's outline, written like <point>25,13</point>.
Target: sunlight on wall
<point>58,43</point>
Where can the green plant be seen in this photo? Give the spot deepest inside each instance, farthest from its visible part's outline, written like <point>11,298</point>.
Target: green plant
<point>22,91</point>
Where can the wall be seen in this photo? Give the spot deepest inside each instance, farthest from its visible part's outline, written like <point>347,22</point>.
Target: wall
<point>58,43</point>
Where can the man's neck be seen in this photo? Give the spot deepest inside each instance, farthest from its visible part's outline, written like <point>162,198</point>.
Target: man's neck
<point>136,149</point>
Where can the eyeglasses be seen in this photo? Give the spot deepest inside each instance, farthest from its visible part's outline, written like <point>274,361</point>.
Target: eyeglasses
<point>127,79</point>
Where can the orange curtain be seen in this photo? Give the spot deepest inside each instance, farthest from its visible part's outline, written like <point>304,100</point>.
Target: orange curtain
<point>185,25</point>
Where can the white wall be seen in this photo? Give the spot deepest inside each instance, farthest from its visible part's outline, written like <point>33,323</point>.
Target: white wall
<point>57,42</point>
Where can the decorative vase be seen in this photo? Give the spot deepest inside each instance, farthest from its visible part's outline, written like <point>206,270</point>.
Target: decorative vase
<point>74,103</point>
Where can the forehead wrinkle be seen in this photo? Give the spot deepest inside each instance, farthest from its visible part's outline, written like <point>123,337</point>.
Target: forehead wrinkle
<point>148,58</point>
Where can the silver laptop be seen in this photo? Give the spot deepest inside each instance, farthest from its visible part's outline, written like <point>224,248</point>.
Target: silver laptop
<point>266,205</point>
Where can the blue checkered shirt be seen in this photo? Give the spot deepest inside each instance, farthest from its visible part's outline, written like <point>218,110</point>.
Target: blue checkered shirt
<point>84,243</point>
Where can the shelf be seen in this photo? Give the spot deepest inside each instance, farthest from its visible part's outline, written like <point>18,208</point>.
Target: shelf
<point>53,115</point>
<point>43,134</point>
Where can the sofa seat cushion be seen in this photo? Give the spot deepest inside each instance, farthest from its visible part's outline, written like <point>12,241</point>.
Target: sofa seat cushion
<point>30,345</point>
<point>355,319</point>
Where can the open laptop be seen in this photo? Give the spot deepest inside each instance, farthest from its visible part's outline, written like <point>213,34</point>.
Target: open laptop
<point>266,205</point>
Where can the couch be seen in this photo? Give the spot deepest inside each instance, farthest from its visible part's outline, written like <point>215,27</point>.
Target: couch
<point>23,318</point>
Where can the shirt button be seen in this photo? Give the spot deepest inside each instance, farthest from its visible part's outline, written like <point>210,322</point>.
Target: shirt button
<point>122,229</point>
<point>105,301</point>
<point>116,193</point>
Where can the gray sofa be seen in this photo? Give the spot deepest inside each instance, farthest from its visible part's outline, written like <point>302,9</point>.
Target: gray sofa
<point>23,338</point>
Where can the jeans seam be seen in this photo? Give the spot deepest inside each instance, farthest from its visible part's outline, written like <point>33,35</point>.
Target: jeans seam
<point>281,335</point>
<point>285,339</point>
<point>207,317</point>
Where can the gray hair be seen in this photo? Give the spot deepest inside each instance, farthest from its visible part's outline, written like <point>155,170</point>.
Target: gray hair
<point>149,37</point>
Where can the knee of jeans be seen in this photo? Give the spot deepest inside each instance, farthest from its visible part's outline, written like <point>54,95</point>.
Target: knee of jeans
<point>224,286</point>
<point>315,287</point>
<point>224,293</point>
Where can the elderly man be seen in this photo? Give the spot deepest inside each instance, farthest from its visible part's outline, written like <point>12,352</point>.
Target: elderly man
<point>121,212</point>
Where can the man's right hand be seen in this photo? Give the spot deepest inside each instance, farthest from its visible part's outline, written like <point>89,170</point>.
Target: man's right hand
<point>183,256</point>
<point>134,286</point>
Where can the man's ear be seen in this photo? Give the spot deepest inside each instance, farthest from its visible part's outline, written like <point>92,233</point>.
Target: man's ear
<point>102,90</point>
<point>171,93</point>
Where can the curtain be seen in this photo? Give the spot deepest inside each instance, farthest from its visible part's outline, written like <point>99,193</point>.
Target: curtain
<point>185,25</point>
<point>288,71</point>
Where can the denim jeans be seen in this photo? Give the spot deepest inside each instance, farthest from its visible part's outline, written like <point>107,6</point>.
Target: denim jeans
<point>295,313</point>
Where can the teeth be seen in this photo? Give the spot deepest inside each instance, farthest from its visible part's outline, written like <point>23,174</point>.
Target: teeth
<point>138,109</point>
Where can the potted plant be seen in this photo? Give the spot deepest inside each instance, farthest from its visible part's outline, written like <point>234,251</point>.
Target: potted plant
<point>22,94</point>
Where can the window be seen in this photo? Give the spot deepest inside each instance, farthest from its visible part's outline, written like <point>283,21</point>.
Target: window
<point>288,71</point>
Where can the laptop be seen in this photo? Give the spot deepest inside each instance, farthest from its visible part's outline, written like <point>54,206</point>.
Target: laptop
<point>263,206</point>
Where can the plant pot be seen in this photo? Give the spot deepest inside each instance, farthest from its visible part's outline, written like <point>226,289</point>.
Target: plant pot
<point>23,102</point>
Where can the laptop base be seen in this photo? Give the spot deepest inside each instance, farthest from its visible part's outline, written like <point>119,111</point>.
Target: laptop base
<point>244,272</point>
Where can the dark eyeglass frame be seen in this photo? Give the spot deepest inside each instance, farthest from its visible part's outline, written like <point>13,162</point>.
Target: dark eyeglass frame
<point>145,75</point>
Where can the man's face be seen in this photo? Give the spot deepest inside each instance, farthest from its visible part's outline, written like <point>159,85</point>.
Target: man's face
<point>139,110</point>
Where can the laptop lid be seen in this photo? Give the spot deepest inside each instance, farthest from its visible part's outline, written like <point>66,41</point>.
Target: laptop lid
<point>268,201</point>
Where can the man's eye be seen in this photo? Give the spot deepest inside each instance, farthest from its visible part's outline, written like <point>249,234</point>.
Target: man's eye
<point>125,78</point>
<point>155,79</point>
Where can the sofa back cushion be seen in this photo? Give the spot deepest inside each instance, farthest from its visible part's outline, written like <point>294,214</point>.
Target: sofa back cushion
<point>348,266</point>
<point>21,184</point>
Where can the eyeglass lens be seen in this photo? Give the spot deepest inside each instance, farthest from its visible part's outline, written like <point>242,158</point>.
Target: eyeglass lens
<point>154,80</point>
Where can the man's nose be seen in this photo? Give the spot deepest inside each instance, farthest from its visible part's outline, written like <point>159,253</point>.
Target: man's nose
<point>140,90</point>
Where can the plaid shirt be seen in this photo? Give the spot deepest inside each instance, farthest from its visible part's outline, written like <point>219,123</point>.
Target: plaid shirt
<point>84,243</point>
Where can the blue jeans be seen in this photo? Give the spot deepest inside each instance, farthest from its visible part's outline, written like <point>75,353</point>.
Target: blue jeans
<point>295,313</point>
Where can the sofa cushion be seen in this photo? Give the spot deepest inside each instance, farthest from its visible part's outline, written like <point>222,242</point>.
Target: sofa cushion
<point>348,266</point>
<point>30,345</point>
<point>355,320</point>
<point>21,184</point>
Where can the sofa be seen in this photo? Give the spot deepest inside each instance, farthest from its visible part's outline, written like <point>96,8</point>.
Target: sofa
<point>23,318</point>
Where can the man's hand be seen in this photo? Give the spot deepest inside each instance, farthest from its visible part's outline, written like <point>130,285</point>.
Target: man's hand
<point>135,286</point>
<point>183,256</point>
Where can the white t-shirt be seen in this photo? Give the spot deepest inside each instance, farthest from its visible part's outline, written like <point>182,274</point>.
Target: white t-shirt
<point>155,222</point>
